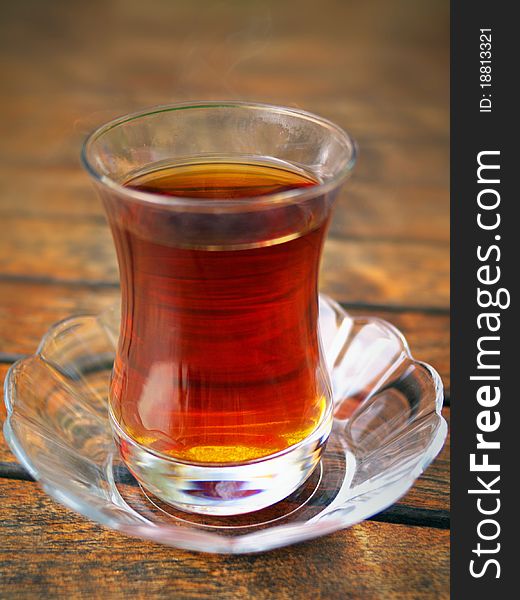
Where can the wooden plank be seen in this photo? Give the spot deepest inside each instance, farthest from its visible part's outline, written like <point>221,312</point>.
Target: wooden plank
<point>398,211</point>
<point>50,193</point>
<point>237,51</point>
<point>372,119</point>
<point>68,556</point>
<point>389,162</point>
<point>384,160</point>
<point>402,212</point>
<point>64,125</point>
<point>380,71</point>
<point>28,310</point>
<point>65,250</point>
<point>405,274</point>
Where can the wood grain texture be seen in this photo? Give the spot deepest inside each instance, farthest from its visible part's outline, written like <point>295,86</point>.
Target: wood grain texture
<point>28,310</point>
<point>409,273</point>
<point>399,211</point>
<point>379,69</point>
<point>67,556</point>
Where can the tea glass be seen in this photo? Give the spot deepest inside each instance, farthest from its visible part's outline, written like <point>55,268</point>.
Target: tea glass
<point>220,402</point>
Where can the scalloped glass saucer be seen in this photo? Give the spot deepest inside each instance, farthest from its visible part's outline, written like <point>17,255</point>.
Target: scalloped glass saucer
<point>387,429</point>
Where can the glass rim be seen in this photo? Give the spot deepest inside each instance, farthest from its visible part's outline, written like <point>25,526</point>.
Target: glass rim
<point>266,200</point>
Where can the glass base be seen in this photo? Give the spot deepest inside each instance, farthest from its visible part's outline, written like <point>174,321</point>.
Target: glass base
<point>223,489</point>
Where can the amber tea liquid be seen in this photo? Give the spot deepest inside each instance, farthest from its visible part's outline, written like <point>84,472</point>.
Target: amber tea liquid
<point>218,357</point>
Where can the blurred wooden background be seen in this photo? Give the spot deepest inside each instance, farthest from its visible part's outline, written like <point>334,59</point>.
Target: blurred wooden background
<point>378,68</point>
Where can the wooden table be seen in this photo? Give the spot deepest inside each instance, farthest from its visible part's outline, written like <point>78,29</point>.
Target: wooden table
<point>380,69</point>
